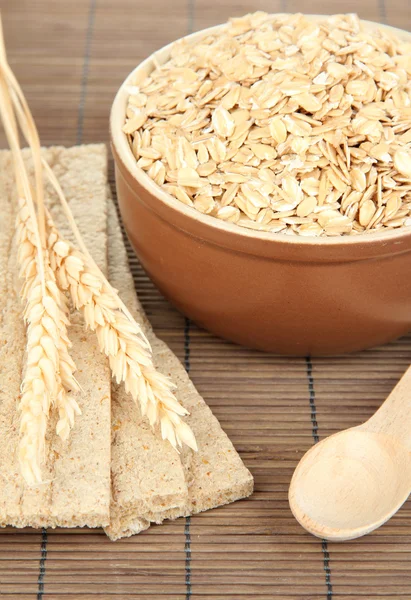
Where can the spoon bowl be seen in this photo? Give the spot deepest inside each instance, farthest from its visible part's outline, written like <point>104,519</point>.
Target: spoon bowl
<point>350,483</point>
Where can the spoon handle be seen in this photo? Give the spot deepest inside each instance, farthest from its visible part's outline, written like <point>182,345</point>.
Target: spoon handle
<point>394,416</point>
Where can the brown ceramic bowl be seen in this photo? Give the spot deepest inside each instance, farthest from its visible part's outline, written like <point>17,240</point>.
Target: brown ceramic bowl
<point>291,295</point>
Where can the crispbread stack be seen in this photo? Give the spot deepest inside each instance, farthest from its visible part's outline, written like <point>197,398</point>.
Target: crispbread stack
<point>182,484</point>
<point>150,481</point>
<point>76,488</point>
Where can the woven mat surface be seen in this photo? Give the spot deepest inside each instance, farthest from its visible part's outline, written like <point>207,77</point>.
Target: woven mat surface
<point>70,58</point>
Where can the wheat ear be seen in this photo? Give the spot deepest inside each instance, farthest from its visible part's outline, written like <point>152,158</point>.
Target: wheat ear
<point>120,336</point>
<point>121,340</point>
<point>49,369</point>
<point>46,316</point>
<point>67,406</point>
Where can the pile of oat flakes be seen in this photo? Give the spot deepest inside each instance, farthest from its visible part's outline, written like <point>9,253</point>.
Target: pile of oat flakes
<point>281,124</point>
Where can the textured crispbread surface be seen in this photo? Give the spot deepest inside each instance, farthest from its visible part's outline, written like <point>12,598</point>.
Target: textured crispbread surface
<point>147,474</point>
<point>176,484</point>
<point>150,481</point>
<point>76,488</point>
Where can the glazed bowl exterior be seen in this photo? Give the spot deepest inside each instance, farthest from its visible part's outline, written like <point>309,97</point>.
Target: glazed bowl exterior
<point>287,294</point>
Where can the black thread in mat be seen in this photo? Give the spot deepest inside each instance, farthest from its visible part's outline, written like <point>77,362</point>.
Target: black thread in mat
<point>42,567</point>
<point>327,569</point>
<point>187,326</point>
<point>283,6</point>
<point>187,534</point>
<point>314,432</point>
<point>311,392</point>
<point>382,11</point>
<point>190,11</point>
<point>187,551</point>
<point>85,72</point>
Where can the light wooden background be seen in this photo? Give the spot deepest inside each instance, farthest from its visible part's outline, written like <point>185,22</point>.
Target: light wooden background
<point>70,57</point>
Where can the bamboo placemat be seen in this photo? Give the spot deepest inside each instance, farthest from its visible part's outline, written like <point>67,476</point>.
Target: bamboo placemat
<point>70,58</point>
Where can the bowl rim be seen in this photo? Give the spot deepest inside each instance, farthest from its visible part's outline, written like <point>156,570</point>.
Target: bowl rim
<point>371,241</point>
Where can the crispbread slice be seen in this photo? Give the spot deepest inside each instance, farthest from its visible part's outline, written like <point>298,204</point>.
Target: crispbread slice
<point>147,475</point>
<point>215,475</point>
<point>76,491</point>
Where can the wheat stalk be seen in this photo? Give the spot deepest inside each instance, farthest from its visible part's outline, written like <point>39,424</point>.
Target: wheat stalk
<point>34,403</point>
<point>65,368</point>
<point>49,369</point>
<point>12,87</point>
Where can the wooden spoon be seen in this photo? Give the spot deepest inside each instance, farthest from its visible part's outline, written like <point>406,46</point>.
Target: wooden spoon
<point>353,481</point>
